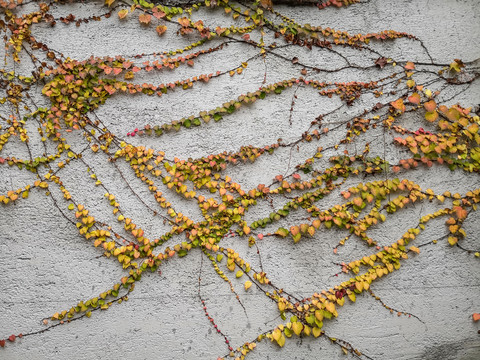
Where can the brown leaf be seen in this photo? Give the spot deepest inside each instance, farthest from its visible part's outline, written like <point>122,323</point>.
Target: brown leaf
<point>381,62</point>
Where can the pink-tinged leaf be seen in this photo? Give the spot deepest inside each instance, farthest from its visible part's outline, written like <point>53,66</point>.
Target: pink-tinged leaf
<point>117,71</point>
<point>246,37</point>
<point>400,140</point>
<point>107,70</point>
<point>430,106</point>
<point>136,69</point>
<point>110,89</point>
<point>158,13</point>
<point>409,66</point>
<point>414,98</point>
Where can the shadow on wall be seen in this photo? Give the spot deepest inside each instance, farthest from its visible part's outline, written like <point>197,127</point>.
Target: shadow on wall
<point>467,350</point>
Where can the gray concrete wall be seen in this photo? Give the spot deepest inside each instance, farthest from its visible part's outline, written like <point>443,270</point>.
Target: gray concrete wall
<point>46,266</point>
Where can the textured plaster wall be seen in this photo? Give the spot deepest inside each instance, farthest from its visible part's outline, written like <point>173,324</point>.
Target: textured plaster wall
<point>46,266</point>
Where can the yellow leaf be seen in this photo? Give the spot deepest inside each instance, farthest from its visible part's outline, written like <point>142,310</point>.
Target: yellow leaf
<point>319,315</point>
<point>122,13</point>
<point>329,306</point>
<point>277,334</point>
<point>248,284</point>
<point>297,328</point>
<point>307,330</point>
<point>452,240</point>
<point>281,341</point>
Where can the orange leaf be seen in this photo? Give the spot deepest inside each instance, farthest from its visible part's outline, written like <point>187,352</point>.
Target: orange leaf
<point>184,21</point>
<point>398,104</point>
<point>476,316</point>
<point>294,230</point>
<point>145,19</point>
<point>414,98</point>
<point>409,66</point>
<point>430,106</point>
<point>161,29</point>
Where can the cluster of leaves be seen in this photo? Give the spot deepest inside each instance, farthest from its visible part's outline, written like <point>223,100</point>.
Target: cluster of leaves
<point>76,88</point>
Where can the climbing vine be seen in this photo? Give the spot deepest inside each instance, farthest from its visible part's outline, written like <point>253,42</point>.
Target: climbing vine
<point>342,183</point>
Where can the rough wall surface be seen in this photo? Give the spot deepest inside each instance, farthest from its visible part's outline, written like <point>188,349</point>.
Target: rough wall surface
<point>47,266</point>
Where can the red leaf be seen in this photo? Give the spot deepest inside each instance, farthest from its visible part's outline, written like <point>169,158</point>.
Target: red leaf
<point>12,338</point>
<point>2,343</point>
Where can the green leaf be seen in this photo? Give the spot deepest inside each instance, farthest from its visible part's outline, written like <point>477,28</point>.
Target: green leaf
<point>182,252</point>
